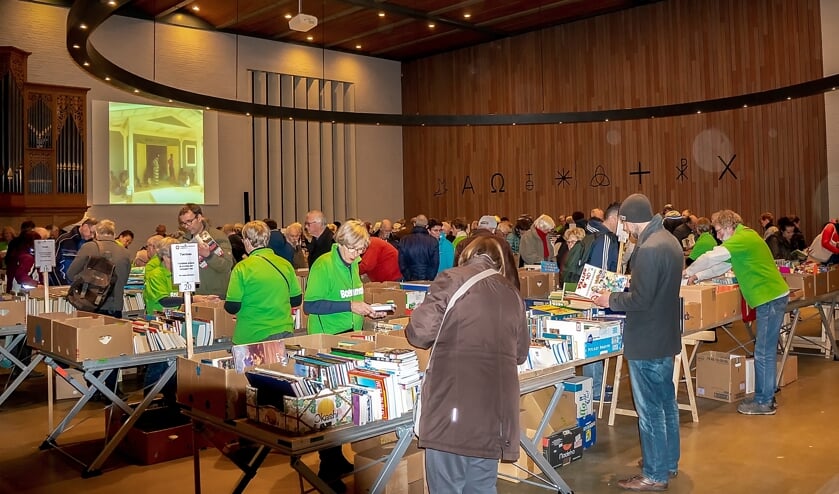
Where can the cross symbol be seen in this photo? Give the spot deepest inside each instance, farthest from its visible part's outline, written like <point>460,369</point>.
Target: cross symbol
<point>640,172</point>
<point>727,166</point>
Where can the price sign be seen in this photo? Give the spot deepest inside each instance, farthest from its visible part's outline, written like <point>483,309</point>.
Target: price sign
<point>185,265</point>
<point>45,254</point>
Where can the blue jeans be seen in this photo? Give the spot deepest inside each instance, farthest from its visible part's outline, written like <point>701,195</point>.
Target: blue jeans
<point>769,318</point>
<point>594,370</point>
<point>658,416</point>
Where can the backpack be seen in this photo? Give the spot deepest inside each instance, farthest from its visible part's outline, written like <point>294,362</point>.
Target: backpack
<point>92,287</point>
<point>572,275</point>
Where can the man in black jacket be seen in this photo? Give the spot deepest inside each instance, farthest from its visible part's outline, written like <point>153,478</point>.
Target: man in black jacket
<point>419,253</point>
<point>322,238</point>
<point>651,339</point>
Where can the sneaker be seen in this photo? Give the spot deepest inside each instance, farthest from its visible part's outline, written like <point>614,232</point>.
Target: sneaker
<point>755,408</point>
<point>640,483</point>
<point>672,474</point>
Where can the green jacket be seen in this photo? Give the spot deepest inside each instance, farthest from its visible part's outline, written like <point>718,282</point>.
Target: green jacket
<point>756,271</point>
<point>158,284</point>
<point>332,280</point>
<point>704,243</point>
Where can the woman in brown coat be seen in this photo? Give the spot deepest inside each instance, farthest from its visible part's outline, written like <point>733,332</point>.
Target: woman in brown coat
<point>470,396</point>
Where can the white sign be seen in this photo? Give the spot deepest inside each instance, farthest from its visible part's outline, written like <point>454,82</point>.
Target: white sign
<point>185,264</point>
<point>45,253</point>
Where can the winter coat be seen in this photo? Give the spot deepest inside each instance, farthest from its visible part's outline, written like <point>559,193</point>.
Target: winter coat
<point>419,255</point>
<point>470,395</point>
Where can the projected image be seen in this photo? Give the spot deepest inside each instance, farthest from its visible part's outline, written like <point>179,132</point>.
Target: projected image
<point>155,154</point>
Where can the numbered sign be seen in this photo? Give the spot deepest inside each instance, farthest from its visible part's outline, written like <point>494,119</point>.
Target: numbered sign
<point>185,266</point>
<point>45,254</point>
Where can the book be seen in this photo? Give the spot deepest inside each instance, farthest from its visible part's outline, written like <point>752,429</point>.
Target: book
<point>256,354</point>
<point>594,280</point>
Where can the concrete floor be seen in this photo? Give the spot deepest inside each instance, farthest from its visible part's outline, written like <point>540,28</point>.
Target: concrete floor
<point>792,452</point>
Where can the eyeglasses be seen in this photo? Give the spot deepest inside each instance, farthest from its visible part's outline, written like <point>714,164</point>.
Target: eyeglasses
<point>357,250</point>
<point>189,221</point>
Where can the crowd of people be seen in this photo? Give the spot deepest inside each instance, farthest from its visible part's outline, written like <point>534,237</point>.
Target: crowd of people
<point>251,267</point>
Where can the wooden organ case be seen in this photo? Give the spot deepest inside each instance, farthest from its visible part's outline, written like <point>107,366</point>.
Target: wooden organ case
<point>42,147</point>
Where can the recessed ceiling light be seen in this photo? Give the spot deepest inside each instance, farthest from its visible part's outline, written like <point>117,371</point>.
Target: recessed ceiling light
<point>107,78</point>
<point>310,38</point>
<point>745,106</point>
<point>82,26</point>
<point>288,16</point>
<point>112,3</point>
<point>833,89</point>
<point>136,90</point>
<point>607,119</point>
<point>207,107</point>
<point>698,111</point>
<point>357,47</point>
<point>86,64</point>
<point>195,8</point>
<point>247,114</point>
<point>170,101</point>
<point>291,118</point>
<point>432,25</point>
<point>381,14</point>
<point>467,15</point>
<point>789,98</point>
<point>76,46</point>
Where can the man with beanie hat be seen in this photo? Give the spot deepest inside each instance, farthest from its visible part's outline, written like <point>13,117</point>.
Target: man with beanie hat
<point>744,251</point>
<point>651,339</point>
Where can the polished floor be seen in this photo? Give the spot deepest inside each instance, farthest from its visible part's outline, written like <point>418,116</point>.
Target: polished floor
<point>795,451</point>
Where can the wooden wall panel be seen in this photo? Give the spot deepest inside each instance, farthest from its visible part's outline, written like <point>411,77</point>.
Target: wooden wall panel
<point>669,52</point>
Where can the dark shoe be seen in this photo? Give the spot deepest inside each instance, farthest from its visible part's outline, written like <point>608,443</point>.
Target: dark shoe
<point>755,408</point>
<point>640,483</point>
<point>673,474</point>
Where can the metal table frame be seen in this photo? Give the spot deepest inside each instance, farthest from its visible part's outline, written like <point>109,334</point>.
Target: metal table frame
<point>95,373</point>
<point>18,339</point>
<point>295,447</point>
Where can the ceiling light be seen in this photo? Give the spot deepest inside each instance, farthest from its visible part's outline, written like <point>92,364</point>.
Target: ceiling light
<point>467,15</point>
<point>288,16</point>
<point>432,25</point>
<point>698,111</point>
<point>76,46</point>
<point>136,90</point>
<point>207,107</point>
<point>86,64</point>
<point>170,101</point>
<point>789,98</point>
<point>357,47</point>
<point>745,106</point>
<point>112,3</point>
<point>381,14</point>
<point>247,114</point>
<point>195,8</point>
<point>607,119</point>
<point>310,38</point>
<point>82,26</point>
<point>302,22</point>
<point>107,78</point>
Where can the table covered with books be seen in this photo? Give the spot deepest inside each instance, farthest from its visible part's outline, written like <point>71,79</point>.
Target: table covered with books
<point>274,423</point>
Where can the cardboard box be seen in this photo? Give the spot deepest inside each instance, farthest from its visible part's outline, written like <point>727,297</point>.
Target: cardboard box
<point>160,434</point>
<point>563,447</point>
<point>410,470</point>
<point>373,442</point>
<point>39,329</point>
<point>790,374</point>
<point>91,338</point>
<point>727,303</point>
<point>397,339</point>
<point>588,426</point>
<point>833,280</point>
<point>821,283</point>
<point>721,376</point>
<point>804,282</point>
<point>589,337</point>
<point>211,390</point>
<point>577,397</point>
<point>706,305</point>
<point>63,389</point>
<point>223,323</point>
<point>12,313</point>
<point>534,284</point>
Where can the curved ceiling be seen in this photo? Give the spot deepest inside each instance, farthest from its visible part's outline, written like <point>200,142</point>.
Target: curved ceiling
<point>85,16</point>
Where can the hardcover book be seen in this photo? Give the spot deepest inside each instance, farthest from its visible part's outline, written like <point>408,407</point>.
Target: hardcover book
<point>594,280</point>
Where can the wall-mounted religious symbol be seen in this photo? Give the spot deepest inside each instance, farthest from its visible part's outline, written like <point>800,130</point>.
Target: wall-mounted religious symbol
<point>467,184</point>
<point>563,177</point>
<point>496,183</point>
<point>727,166</point>
<point>529,184</point>
<point>599,179</point>
<point>441,187</point>
<point>683,167</point>
<point>640,173</point>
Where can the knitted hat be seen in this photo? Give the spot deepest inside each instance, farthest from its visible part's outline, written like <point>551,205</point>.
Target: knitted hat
<point>636,209</point>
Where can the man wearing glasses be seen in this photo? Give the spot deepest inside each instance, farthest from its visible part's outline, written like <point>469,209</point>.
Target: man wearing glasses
<point>322,237</point>
<point>215,257</point>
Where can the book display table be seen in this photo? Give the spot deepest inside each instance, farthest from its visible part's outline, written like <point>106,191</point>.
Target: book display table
<point>95,373</point>
<point>267,439</point>
<point>15,337</point>
<point>825,304</point>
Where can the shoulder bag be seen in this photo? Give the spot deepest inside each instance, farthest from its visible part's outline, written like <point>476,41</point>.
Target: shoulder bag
<point>457,294</point>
